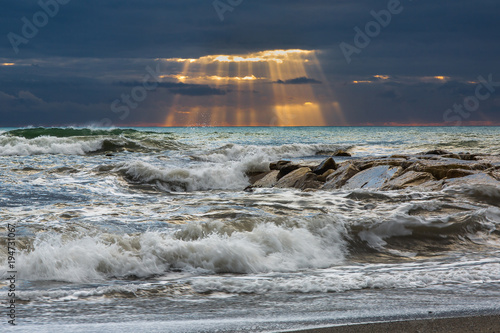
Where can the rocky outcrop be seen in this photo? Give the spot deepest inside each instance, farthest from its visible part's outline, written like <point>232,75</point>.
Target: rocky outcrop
<point>428,171</point>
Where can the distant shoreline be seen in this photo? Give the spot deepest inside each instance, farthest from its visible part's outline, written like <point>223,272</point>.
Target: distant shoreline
<point>479,324</point>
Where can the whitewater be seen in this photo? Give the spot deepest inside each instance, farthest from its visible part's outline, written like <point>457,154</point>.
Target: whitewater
<point>123,229</point>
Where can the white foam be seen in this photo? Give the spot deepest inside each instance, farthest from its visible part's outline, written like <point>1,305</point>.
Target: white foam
<point>207,176</point>
<point>47,145</point>
<point>373,276</point>
<point>235,152</point>
<point>266,248</point>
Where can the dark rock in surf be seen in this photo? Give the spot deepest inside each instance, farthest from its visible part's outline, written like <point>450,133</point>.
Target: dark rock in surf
<point>409,179</point>
<point>437,152</point>
<point>308,181</point>
<point>255,176</point>
<point>278,165</point>
<point>269,180</point>
<point>292,178</point>
<point>325,175</point>
<point>467,157</point>
<point>459,173</point>
<point>286,169</point>
<point>341,152</point>
<point>327,164</point>
<point>338,178</point>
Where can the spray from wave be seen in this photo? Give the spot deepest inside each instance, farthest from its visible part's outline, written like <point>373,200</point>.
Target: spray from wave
<point>265,247</point>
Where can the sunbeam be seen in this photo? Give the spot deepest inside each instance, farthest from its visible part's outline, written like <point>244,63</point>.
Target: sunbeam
<point>267,88</point>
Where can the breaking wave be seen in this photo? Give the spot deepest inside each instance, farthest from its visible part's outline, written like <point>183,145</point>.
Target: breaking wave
<point>266,247</point>
<point>235,152</point>
<point>81,141</point>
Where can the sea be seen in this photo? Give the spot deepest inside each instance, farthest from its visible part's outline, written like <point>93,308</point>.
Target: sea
<point>151,229</point>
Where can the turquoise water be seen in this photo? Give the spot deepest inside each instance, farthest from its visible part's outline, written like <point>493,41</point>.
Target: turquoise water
<point>124,229</point>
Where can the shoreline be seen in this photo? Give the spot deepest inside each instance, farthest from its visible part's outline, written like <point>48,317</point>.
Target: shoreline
<point>474,323</point>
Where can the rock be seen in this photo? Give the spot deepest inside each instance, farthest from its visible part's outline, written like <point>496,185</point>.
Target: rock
<point>291,179</point>
<point>455,156</point>
<point>408,179</point>
<point>278,165</point>
<point>439,169</point>
<point>341,152</point>
<point>475,179</point>
<point>495,174</point>
<point>269,180</point>
<point>397,156</point>
<point>286,169</point>
<point>327,173</point>
<point>339,177</point>
<point>374,178</point>
<point>255,176</point>
<point>338,152</point>
<point>327,164</point>
<point>467,157</point>
<point>308,181</point>
<point>370,163</point>
<point>433,185</point>
<point>437,152</point>
<point>458,173</point>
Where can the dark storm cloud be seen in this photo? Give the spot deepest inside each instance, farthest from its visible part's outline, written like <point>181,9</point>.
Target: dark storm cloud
<point>182,88</point>
<point>299,80</point>
<point>73,62</point>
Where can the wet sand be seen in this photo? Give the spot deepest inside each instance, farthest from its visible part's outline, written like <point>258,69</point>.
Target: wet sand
<point>479,324</point>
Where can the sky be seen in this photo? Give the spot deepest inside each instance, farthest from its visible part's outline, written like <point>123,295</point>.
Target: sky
<point>249,62</point>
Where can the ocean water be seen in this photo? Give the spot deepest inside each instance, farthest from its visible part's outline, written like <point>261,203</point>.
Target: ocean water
<point>150,228</point>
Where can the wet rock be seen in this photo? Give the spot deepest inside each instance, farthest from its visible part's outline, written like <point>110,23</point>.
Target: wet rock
<point>339,177</point>
<point>292,178</point>
<point>439,169</point>
<point>338,152</point>
<point>467,157</point>
<point>495,175</point>
<point>278,165</point>
<point>324,166</point>
<point>408,179</point>
<point>370,163</point>
<point>455,156</point>
<point>374,178</point>
<point>458,173</point>
<point>433,185</point>
<point>286,169</point>
<point>255,176</point>
<point>325,175</point>
<point>437,152</point>
<point>269,180</point>
<point>399,156</point>
<point>475,179</point>
<point>308,181</point>
<point>341,152</point>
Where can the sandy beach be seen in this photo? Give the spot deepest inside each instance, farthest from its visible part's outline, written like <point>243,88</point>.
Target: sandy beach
<point>480,324</point>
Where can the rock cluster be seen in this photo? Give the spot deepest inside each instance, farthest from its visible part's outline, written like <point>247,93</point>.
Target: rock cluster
<point>431,170</point>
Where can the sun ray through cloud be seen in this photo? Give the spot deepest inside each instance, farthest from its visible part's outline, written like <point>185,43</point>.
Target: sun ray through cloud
<point>274,88</point>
